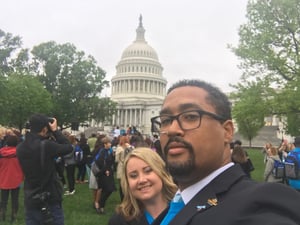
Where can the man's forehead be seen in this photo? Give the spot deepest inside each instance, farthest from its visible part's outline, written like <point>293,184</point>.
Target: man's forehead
<point>180,107</point>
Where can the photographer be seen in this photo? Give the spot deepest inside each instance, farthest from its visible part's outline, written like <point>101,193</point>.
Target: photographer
<point>42,187</point>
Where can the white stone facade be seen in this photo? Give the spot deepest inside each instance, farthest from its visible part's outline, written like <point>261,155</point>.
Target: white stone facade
<point>138,86</point>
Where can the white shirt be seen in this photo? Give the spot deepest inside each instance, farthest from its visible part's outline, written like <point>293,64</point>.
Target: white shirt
<point>188,193</point>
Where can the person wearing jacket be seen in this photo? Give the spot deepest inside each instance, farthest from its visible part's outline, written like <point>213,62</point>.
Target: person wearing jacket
<point>196,130</point>
<point>37,155</point>
<point>272,155</point>
<point>11,177</point>
<point>105,178</point>
<point>295,183</point>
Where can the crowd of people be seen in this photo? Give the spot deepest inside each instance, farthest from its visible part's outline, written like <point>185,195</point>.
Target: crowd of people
<point>190,172</point>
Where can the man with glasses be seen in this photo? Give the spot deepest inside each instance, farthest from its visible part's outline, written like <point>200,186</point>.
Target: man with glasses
<point>196,130</point>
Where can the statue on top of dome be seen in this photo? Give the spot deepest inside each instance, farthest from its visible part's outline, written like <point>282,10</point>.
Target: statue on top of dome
<point>141,20</point>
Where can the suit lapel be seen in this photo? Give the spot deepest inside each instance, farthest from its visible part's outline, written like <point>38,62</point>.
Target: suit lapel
<point>208,196</point>
<point>193,207</point>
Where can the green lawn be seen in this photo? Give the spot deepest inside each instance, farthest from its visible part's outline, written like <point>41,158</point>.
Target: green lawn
<point>78,207</point>
<point>256,157</point>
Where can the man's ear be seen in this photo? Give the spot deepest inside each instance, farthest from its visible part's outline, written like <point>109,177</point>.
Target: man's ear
<point>229,131</point>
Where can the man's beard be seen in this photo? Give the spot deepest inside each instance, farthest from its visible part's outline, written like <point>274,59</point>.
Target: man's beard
<point>180,170</point>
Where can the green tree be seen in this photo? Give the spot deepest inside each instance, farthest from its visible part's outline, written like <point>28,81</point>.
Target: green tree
<point>249,109</point>
<point>269,49</point>
<point>23,95</point>
<point>12,57</point>
<point>73,79</point>
<point>103,109</point>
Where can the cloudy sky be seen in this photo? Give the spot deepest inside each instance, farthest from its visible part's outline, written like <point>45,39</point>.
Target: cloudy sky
<point>190,36</point>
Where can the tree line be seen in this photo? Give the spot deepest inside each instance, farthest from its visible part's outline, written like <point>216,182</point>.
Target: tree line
<point>51,78</point>
<point>268,49</point>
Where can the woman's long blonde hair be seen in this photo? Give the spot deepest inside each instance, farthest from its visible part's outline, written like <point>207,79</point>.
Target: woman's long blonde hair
<point>132,208</point>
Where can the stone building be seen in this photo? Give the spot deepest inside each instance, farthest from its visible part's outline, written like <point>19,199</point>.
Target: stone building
<point>138,86</point>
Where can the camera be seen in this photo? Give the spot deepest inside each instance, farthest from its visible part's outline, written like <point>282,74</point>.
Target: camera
<point>50,120</point>
<point>42,200</point>
<point>47,216</point>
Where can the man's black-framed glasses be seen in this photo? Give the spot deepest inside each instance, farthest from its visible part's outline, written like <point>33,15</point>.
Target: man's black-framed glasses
<point>187,120</point>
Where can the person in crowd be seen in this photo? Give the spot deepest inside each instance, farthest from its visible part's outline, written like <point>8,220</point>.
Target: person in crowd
<point>291,147</point>
<point>248,167</point>
<point>137,140</point>
<point>295,183</point>
<point>129,130</point>
<point>2,136</point>
<point>196,129</point>
<point>36,155</point>
<point>265,151</point>
<point>238,156</point>
<point>283,150</point>
<point>70,165</point>
<point>119,159</point>
<point>93,185</point>
<point>115,141</point>
<point>82,165</point>
<point>148,189</point>
<point>11,177</point>
<point>268,173</point>
<point>117,131</point>
<point>105,178</point>
<point>92,141</point>
<point>156,146</point>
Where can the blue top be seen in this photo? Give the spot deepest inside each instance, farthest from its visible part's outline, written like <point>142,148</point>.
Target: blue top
<point>295,183</point>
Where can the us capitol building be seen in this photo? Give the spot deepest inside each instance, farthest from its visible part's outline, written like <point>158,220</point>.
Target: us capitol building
<point>138,86</point>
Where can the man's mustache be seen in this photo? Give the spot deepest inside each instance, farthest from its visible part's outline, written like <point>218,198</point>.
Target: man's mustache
<point>178,140</point>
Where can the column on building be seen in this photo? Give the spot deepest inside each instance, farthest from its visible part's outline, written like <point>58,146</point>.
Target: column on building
<point>126,117</point>
<point>134,116</point>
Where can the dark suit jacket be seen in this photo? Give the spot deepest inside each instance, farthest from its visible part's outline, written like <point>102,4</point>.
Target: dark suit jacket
<point>241,201</point>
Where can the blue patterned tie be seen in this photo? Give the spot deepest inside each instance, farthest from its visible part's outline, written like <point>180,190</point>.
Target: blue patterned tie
<point>175,207</point>
<point>177,198</point>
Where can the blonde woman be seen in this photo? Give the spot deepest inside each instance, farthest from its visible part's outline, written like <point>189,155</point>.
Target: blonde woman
<point>272,156</point>
<point>119,159</point>
<point>148,189</point>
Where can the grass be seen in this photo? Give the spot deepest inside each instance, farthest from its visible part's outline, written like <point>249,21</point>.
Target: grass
<point>256,157</point>
<point>78,208</point>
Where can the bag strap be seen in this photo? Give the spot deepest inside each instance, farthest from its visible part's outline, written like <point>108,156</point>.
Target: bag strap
<point>43,183</point>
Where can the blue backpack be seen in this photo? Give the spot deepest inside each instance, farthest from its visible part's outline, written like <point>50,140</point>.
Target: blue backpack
<point>278,170</point>
<point>78,154</point>
<point>291,166</point>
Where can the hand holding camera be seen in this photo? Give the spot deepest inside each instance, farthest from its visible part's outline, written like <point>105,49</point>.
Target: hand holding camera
<point>52,124</point>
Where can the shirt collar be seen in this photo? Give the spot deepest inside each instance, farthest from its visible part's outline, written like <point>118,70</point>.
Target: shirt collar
<point>188,193</point>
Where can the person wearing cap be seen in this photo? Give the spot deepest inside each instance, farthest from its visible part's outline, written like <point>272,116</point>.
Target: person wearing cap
<point>295,183</point>
<point>37,154</point>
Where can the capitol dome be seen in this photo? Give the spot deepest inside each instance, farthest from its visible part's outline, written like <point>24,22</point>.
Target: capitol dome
<point>139,48</point>
<point>138,86</point>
